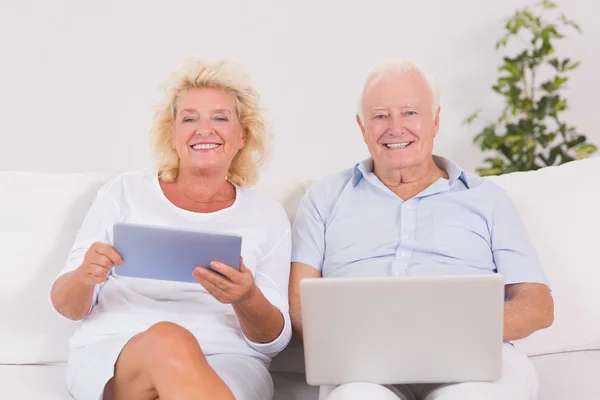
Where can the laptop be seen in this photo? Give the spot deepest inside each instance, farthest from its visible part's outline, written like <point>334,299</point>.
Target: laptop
<point>406,330</point>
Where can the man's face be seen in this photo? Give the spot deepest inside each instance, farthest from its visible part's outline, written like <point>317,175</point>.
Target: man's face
<point>399,122</point>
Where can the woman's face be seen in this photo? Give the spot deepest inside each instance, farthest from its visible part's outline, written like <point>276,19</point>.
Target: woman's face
<point>208,133</point>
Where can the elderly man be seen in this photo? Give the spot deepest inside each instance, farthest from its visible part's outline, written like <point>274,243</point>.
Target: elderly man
<point>406,212</point>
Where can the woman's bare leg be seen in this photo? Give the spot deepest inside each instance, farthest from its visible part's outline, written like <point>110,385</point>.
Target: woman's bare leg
<point>165,362</point>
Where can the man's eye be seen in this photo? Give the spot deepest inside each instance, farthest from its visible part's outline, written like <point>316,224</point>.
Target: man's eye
<point>380,116</point>
<point>411,112</point>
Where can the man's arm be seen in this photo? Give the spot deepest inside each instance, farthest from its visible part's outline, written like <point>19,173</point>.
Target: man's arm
<point>298,272</point>
<point>529,307</point>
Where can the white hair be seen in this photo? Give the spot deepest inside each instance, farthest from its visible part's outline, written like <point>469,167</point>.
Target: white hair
<point>388,68</point>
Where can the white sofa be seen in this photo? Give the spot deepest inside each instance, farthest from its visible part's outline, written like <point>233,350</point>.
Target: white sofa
<point>40,214</point>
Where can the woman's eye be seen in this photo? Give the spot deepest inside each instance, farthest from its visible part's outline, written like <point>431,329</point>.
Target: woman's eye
<point>221,119</point>
<point>187,119</point>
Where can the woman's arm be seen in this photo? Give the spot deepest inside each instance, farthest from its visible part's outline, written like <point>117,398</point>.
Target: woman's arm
<point>71,297</point>
<point>260,320</point>
<point>260,302</point>
<point>73,293</point>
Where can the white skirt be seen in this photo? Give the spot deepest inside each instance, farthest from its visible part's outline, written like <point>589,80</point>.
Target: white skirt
<point>91,367</point>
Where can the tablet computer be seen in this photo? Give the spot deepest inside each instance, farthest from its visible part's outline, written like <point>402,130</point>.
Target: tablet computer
<point>171,254</point>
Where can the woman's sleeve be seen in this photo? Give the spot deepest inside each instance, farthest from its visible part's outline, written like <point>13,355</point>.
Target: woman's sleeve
<point>96,227</point>
<point>272,277</point>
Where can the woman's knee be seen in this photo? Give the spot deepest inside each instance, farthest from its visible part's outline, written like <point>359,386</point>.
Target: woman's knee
<point>168,344</point>
<point>361,391</point>
<point>169,331</point>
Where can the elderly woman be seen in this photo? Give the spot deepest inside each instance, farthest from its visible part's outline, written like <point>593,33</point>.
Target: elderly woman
<point>149,339</point>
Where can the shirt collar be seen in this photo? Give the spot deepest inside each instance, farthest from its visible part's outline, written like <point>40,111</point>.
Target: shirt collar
<point>454,172</point>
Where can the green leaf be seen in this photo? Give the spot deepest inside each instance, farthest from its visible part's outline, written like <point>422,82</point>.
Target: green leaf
<point>526,126</point>
<point>471,118</point>
<point>553,154</point>
<point>575,142</point>
<point>487,138</point>
<point>530,143</point>
<point>489,171</point>
<point>506,152</point>
<point>496,162</point>
<point>570,23</point>
<point>547,4</point>
<point>587,149</point>
<point>548,86</point>
<point>573,66</point>
<point>554,62</point>
<point>511,67</point>
<point>558,82</point>
<point>549,32</point>
<point>503,41</point>
<point>553,86</point>
<point>560,106</point>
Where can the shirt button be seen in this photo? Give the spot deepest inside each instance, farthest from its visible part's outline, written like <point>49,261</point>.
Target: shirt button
<point>402,254</point>
<point>405,236</point>
<point>410,206</point>
<point>396,273</point>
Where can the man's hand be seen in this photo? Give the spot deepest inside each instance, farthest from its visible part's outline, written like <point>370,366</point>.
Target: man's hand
<point>530,307</point>
<point>232,288</point>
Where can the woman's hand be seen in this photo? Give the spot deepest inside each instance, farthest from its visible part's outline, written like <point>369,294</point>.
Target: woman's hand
<point>233,287</point>
<point>97,263</point>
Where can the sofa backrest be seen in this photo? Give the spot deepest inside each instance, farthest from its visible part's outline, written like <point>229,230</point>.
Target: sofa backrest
<point>560,207</point>
<point>41,213</point>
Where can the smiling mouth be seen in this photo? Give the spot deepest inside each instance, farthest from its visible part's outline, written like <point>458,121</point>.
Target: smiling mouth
<point>205,146</point>
<point>397,145</point>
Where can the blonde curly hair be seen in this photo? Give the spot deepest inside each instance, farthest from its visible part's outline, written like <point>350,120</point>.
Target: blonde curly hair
<point>219,74</point>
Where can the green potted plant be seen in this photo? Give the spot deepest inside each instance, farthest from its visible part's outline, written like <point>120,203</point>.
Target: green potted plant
<point>530,132</point>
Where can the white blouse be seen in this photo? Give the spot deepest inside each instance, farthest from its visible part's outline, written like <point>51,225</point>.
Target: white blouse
<point>124,306</point>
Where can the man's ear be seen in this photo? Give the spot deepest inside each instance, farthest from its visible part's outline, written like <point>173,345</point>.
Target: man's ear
<point>436,122</point>
<point>362,128</point>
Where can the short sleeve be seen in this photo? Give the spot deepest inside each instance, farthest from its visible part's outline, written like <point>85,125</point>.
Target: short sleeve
<point>514,255</point>
<point>96,227</point>
<point>308,232</point>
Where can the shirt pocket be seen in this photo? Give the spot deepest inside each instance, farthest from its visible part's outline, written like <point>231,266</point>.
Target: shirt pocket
<point>360,237</point>
<point>462,235</point>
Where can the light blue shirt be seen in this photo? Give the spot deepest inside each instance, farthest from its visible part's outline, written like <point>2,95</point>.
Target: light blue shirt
<point>351,225</point>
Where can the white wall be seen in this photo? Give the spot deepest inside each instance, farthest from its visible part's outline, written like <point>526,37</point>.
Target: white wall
<point>78,78</point>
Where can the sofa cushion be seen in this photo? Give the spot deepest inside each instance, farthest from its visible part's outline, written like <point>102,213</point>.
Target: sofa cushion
<point>571,375</point>
<point>562,376</point>
<point>33,382</point>
<point>290,360</point>
<point>293,387</point>
<point>40,215</point>
<point>560,207</point>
